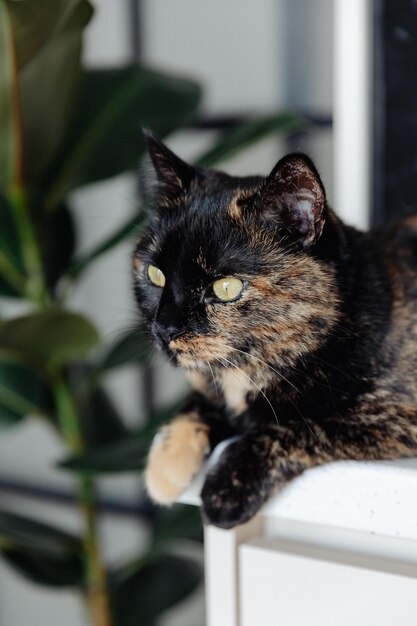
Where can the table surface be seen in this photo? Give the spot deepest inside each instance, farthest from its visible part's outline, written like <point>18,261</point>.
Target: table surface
<point>379,497</point>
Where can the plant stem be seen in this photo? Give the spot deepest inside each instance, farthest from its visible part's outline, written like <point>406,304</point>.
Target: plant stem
<point>35,289</point>
<point>13,276</point>
<point>97,595</point>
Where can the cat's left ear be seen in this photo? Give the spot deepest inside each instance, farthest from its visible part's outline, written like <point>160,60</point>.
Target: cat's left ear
<point>173,174</point>
<point>292,197</point>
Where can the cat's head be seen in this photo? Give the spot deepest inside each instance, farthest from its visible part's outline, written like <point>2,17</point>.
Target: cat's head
<point>226,269</point>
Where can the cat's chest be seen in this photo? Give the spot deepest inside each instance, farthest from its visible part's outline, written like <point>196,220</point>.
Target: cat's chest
<point>235,385</point>
<point>229,386</point>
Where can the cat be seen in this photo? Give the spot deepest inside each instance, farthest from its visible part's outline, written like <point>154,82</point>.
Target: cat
<point>298,333</point>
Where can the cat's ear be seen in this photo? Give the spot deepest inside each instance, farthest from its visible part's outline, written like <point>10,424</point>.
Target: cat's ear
<point>173,174</point>
<point>293,198</point>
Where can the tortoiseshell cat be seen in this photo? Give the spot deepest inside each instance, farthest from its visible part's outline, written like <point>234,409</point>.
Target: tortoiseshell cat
<point>298,333</point>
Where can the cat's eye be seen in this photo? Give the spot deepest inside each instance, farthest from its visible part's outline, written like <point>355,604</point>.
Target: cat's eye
<point>227,289</point>
<point>156,276</point>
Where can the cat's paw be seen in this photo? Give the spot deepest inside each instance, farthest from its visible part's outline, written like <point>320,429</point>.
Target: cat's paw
<point>175,457</point>
<point>232,494</point>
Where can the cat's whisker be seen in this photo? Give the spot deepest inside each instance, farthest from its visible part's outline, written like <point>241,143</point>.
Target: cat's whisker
<point>347,330</point>
<point>214,379</point>
<point>253,382</point>
<point>252,356</point>
<point>284,378</point>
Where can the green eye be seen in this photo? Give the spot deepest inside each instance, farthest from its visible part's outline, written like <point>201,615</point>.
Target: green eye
<point>227,289</point>
<point>156,276</point>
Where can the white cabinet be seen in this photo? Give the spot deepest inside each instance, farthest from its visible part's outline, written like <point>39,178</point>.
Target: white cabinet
<point>278,587</point>
<point>337,546</point>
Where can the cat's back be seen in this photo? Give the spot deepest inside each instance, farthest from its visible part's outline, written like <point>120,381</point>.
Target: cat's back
<point>399,245</point>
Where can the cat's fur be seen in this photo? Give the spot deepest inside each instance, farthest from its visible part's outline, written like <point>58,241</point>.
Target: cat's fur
<point>315,361</point>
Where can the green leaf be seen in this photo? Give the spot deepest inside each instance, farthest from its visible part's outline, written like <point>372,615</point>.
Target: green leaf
<point>47,339</point>
<point>9,236</point>
<point>233,141</point>
<point>40,552</point>
<point>21,393</point>
<point>48,37</point>
<point>106,137</point>
<point>128,229</point>
<point>10,131</point>
<point>57,238</point>
<point>6,289</point>
<point>140,595</point>
<point>100,422</point>
<point>12,277</point>
<point>179,522</point>
<point>35,22</point>
<point>131,347</point>
<point>127,455</point>
<point>38,568</point>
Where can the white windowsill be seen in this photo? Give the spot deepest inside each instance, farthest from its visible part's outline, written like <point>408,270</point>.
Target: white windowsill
<point>379,497</point>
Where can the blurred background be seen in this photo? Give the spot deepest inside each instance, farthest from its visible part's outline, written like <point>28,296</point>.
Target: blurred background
<point>233,84</point>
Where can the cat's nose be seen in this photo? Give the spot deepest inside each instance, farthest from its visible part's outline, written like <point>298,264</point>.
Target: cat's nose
<point>168,333</point>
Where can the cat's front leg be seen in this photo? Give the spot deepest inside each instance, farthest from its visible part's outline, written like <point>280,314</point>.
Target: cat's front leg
<point>179,449</point>
<point>254,467</point>
<point>176,455</point>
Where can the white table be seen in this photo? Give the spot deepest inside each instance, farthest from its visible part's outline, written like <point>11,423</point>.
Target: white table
<point>337,546</point>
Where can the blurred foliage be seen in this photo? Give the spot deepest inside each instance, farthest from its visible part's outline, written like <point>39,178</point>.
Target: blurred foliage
<point>41,553</point>
<point>63,126</point>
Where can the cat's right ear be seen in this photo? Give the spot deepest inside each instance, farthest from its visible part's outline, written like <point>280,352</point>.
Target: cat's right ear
<point>174,176</point>
<point>292,198</point>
